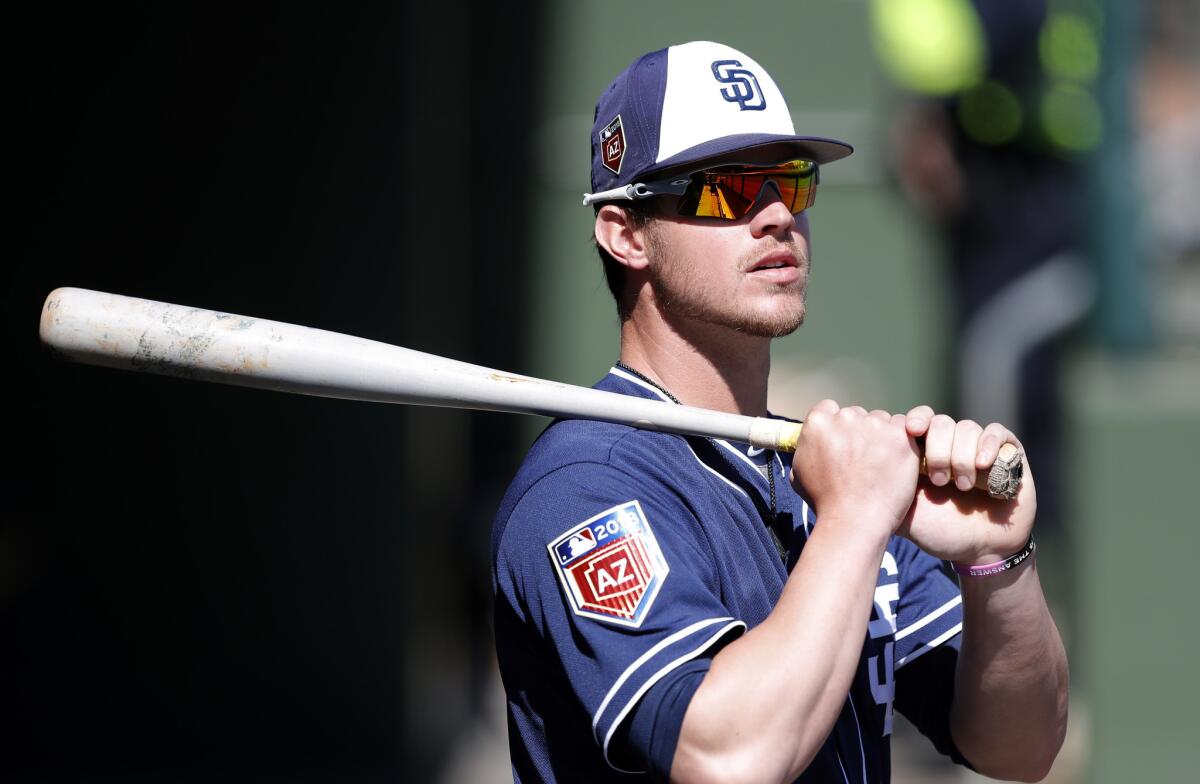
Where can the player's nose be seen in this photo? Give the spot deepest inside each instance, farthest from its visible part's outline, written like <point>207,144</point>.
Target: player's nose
<point>771,216</point>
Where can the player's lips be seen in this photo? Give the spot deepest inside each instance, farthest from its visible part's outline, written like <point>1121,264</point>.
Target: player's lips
<point>777,267</point>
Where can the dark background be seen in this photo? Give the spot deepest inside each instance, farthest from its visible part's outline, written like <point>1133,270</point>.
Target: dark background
<point>201,582</point>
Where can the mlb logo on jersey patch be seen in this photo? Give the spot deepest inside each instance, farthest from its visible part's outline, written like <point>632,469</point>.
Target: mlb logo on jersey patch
<point>612,145</point>
<point>611,566</point>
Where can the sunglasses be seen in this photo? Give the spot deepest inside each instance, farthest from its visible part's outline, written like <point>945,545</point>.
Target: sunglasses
<point>729,191</point>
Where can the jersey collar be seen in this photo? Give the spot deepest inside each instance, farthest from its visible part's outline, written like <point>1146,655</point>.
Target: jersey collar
<point>619,380</point>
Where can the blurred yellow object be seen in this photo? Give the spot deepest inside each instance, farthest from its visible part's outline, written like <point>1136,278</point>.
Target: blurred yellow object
<point>936,47</point>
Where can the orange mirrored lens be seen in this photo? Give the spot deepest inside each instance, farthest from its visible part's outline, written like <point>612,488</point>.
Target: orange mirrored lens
<point>731,192</point>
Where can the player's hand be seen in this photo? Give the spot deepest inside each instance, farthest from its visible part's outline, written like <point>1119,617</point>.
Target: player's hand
<point>948,518</point>
<point>856,466</point>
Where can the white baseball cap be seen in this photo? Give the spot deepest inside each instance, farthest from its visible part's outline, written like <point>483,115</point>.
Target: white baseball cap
<point>686,104</point>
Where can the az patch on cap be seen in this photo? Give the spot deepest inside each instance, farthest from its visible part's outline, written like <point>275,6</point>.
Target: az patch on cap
<point>612,145</point>
<point>611,565</point>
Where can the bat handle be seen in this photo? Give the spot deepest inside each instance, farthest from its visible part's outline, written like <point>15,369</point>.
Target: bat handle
<point>1001,481</point>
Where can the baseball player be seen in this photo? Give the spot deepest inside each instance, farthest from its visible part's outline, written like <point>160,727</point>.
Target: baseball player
<point>699,610</point>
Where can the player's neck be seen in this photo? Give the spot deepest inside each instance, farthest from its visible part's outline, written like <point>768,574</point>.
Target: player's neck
<point>706,366</point>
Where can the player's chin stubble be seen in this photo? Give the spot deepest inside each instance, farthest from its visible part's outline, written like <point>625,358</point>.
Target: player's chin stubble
<point>683,291</point>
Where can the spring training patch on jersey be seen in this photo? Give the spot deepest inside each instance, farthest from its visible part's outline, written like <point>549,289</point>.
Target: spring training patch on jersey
<point>611,566</point>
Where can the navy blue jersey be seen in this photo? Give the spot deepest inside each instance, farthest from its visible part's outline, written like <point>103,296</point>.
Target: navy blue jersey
<point>624,559</point>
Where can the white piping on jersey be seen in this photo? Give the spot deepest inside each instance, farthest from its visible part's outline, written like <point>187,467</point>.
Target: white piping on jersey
<point>928,619</point>
<point>804,512</point>
<point>838,756</point>
<point>715,472</point>
<point>653,679</point>
<point>929,646</point>
<point>616,371</point>
<point>858,728</point>
<point>741,455</point>
<point>679,635</point>
<point>748,461</point>
<point>737,452</point>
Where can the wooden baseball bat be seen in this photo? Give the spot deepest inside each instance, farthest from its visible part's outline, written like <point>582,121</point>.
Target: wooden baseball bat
<point>111,330</point>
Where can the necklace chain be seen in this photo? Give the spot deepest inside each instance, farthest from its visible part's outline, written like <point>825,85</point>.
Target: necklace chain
<point>649,381</point>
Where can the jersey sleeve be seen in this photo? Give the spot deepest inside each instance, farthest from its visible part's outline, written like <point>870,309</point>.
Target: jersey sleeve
<point>929,613</point>
<point>614,573</point>
<point>928,638</point>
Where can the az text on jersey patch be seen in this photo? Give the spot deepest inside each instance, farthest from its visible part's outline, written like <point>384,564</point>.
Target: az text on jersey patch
<point>611,565</point>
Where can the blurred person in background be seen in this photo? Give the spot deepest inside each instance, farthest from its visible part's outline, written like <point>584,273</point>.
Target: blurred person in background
<point>1168,161</point>
<point>989,147</point>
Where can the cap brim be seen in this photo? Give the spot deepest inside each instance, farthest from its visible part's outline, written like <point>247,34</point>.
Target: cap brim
<point>814,148</point>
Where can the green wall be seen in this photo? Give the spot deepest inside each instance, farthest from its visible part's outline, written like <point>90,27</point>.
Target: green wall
<point>1135,424</point>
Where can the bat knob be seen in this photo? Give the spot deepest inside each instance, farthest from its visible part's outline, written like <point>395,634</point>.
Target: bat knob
<point>1004,478</point>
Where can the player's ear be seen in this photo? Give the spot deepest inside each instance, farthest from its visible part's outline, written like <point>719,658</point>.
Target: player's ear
<point>618,234</point>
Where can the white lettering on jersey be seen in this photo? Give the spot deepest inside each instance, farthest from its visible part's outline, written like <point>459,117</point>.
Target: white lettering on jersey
<point>883,689</point>
<point>883,684</point>
<point>885,623</point>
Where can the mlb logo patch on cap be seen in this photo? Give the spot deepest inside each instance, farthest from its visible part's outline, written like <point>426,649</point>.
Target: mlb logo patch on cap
<point>610,565</point>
